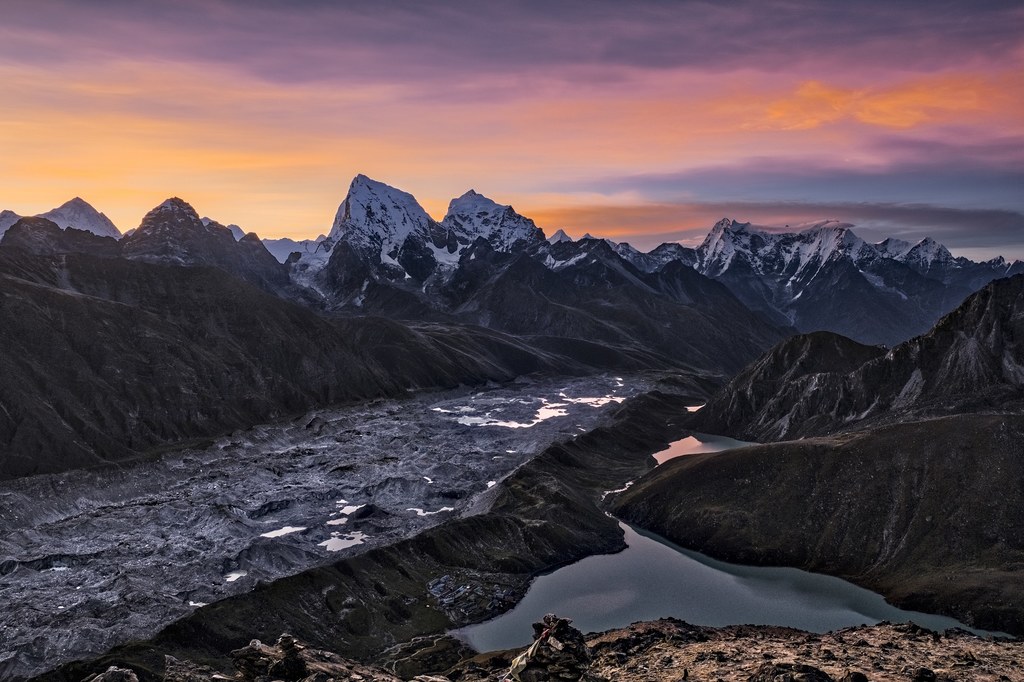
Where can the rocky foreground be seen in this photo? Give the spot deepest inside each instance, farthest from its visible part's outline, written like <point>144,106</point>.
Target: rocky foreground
<point>666,649</point>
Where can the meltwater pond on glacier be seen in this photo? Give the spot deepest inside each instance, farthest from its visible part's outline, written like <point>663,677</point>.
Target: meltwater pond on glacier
<point>654,578</point>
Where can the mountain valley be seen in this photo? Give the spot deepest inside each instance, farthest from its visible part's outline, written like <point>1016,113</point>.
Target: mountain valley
<point>459,405</point>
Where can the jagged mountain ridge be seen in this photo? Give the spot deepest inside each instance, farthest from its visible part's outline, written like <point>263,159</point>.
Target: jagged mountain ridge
<point>971,361</point>
<point>43,237</point>
<point>584,290</point>
<point>173,234</point>
<point>827,278</point>
<point>822,278</point>
<point>487,265</point>
<point>397,240</point>
<point>386,255</point>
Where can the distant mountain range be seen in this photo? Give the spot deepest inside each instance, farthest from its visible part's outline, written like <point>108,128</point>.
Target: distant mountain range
<point>180,330</point>
<point>483,277</point>
<point>385,255</point>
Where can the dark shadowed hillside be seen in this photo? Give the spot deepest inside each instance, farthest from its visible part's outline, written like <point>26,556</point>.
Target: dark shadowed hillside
<point>106,358</point>
<point>971,361</point>
<point>927,513</point>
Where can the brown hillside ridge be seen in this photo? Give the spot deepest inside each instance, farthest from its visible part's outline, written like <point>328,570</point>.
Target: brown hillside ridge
<point>666,649</point>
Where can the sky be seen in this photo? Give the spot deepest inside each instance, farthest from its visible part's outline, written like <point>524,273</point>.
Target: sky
<point>643,121</point>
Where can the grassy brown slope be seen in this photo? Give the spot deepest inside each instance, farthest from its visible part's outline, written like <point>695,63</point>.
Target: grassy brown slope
<point>929,513</point>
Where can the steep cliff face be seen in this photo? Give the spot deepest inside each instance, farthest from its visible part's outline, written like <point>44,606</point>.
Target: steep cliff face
<point>971,361</point>
<point>926,512</point>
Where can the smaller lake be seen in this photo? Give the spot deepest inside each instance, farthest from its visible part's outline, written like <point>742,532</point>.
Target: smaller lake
<point>697,444</point>
<point>654,578</point>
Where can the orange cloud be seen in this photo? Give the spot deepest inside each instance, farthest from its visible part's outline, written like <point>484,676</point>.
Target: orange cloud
<point>935,100</point>
<point>277,158</point>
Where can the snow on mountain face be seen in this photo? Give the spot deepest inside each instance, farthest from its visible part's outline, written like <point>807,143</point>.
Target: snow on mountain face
<point>927,254</point>
<point>7,218</point>
<point>893,248</point>
<point>776,253</point>
<point>170,233</point>
<point>473,215</point>
<point>375,214</point>
<point>390,229</point>
<point>80,215</point>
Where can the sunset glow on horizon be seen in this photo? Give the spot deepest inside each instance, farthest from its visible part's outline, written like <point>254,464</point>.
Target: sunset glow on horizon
<point>643,122</point>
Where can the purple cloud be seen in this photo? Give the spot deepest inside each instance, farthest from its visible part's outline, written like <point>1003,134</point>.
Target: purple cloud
<point>407,41</point>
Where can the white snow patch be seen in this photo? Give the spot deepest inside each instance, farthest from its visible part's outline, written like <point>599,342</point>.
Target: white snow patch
<point>282,531</point>
<point>420,512</point>
<point>545,412</point>
<point>623,489</point>
<point>338,542</point>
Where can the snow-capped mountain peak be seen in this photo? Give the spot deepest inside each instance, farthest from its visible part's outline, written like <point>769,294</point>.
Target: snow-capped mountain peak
<point>927,253</point>
<point>79,214</point>
<point>559,237</point>
<point>830,239</point>
<point>374,213</point>
<point>790,252</point>
<point>719,247</point>
<point>893,248</point>
<point>472,202</point>
<point>473,215</point>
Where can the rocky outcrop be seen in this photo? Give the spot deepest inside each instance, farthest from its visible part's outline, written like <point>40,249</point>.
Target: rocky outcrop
<point>971,361</point>
<point>925,513</point>
<point>666,649</point>
<point>114,674</point>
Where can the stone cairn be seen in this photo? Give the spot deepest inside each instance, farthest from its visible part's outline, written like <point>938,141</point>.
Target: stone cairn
<point>558,652</point>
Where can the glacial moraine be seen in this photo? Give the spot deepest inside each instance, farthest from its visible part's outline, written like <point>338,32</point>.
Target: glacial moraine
<point>89,559</point>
